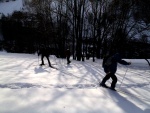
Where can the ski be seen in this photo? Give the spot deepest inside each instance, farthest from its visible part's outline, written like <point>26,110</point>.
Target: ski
<point>107,87</point>
<point>53,67</point>
<point>50,67</point>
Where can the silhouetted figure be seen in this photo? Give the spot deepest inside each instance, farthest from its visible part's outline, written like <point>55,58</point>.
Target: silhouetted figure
<point>110,68</point>
<point>68,56</point>
<point>44,52</point>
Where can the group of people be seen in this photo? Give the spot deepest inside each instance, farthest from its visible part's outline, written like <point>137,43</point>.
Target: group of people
<point>45,52</point>
<point>109,64</point>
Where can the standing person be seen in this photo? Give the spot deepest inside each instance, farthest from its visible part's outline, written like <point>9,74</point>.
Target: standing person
<point>110,68</point>
<point>44,52</point>
<point>68,56</point>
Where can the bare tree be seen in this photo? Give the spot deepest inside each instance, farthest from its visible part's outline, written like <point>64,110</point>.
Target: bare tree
<point>45,25</point>
<point>107,24</point>
<point>76,19</point>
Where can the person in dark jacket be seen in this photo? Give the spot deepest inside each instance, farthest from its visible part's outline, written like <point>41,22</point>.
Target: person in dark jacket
<point>68,56</point>
<point>110,68</point>
<point>44,52</point>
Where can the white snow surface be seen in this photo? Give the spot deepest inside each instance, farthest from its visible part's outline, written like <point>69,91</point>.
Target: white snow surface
<point>7,8</point>
<point>28,88</point>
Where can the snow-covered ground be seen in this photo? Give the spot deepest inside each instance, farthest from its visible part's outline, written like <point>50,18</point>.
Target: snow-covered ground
<point>28,88</point>
<point>11,6</point>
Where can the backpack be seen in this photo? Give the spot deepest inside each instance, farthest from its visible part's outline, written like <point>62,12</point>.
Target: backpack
<point>107,61</point>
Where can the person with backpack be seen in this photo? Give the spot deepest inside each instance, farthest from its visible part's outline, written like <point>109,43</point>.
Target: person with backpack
<point>44,52</point>
<point>110,67</point>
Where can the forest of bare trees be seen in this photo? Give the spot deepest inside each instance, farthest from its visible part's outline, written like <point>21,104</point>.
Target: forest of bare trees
<point>89,28</point>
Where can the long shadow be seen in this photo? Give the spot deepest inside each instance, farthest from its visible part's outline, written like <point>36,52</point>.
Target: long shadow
<point>92,75</point>
<point>79,77</point>
<point>39,70</point>
<point>126,105</point>
<point>92,72</point>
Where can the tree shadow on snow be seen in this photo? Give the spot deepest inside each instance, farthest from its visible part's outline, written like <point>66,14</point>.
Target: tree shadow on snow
<point>125,104</point>
<point>39,70</point>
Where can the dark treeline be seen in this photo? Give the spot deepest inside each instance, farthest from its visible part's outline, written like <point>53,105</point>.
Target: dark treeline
<point>89,28</point>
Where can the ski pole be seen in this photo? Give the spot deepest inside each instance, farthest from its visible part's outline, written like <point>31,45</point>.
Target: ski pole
<point>55,59</point>
<point>38,59</point>
<point>123,77</point>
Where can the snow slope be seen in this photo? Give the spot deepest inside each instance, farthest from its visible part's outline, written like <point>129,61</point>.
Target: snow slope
<point>28,88</point>
<point>11,6</point>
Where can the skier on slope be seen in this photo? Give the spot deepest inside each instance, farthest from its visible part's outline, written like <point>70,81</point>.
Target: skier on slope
<point>44,52</point>
<point>110,68</point>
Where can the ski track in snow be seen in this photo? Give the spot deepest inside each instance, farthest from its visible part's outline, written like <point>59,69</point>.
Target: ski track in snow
<point>30,85</point>
<point>67,86</point>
